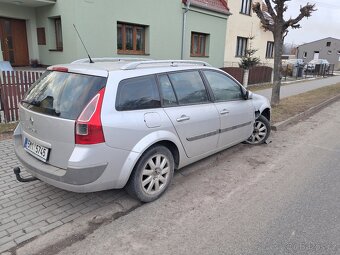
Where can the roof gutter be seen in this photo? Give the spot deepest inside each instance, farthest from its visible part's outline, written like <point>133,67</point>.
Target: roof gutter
<point>187,8</point>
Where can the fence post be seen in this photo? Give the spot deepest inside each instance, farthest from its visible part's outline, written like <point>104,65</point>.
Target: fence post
<point>245,77</point>
<point>272,77</point>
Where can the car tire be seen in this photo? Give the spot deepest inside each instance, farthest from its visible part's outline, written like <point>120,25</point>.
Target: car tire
<point>152,174</point>
<point>261,131</point>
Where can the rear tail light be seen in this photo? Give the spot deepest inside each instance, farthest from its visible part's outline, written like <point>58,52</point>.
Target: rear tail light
<point>89,128</point>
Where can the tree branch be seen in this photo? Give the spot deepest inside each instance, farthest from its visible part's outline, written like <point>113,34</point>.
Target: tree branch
<point>270,9</point>
<point>264,21</point>
<point>305,11</point>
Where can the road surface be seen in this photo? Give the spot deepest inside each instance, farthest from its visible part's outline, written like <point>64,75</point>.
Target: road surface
<point>276,199</point>
<point>281,198</point>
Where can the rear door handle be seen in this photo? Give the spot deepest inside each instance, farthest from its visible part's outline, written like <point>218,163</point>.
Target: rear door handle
<point>224,111</point>
<point>183,118</point>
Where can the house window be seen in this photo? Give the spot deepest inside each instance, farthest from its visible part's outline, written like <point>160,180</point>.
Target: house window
<point>270,50</point>
<point>241,46</point>
<point>246,7</point>
<point>41,37</point>
<point>305,54</point>
<point>130,39</point>
<point>328,44</point>
<point>58,34</point>
<point>198,44</point>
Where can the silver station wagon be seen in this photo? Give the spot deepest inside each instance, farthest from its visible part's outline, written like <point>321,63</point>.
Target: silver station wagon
<point>129,123</point>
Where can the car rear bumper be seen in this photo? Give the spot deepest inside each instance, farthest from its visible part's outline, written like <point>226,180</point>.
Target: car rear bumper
<point>69,179</point>
<point>84,173</point>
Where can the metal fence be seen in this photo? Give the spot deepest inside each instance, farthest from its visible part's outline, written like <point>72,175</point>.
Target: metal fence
<point>296,72</point>
<point>13,86</point>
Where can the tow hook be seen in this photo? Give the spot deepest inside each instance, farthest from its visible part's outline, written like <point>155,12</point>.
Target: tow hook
<point>17,171</point>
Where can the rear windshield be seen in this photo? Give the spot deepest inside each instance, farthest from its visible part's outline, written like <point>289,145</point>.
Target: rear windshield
<point>62,94</point>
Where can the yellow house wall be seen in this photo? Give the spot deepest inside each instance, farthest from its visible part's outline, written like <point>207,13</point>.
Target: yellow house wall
<point>245,26</point>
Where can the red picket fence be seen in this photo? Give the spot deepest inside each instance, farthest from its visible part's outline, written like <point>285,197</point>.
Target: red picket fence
<point>236,72</point>
<point>13,86</point>
<point>260,74</point>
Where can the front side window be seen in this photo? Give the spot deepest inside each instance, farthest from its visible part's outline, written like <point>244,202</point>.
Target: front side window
<point>189,87</point>
<point>198,44</point>
<point>270,50</point>
<point>223,88</point>
<point>130,39</point>
<point>138,93</point>
<point>241,46</point>
<point>246,7</point>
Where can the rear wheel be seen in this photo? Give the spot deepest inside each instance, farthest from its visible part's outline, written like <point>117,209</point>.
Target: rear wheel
<point>152,174</point>
<point>261,131</point>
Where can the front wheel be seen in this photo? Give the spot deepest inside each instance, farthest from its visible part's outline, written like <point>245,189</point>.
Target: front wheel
<point>152,174</point>
<point>261,131</point>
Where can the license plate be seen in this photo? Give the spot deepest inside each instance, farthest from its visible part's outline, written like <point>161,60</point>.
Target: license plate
<point>37,150</point>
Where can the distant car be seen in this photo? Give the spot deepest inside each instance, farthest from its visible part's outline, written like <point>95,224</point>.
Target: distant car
<point>312,64</point>
<point>295,62</point>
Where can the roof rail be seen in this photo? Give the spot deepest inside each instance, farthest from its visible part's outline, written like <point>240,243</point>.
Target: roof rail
<point>86,60</point>
<point>134,65</point>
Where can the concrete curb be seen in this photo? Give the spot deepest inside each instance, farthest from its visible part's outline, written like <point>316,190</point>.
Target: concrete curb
<point>283,124</point>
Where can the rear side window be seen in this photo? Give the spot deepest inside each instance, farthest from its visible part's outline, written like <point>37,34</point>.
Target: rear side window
<point>62,94</point>
<point>189,87</point>
<point>138,93</point>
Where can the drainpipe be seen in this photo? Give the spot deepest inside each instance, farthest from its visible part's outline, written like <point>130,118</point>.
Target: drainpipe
<point>184,26</point>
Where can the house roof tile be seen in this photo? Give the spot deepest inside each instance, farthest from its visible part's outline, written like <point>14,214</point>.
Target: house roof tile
<point>220,6</point>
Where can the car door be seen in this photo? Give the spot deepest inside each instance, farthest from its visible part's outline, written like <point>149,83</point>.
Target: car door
<point>236,114</point>
<point>194,116</point>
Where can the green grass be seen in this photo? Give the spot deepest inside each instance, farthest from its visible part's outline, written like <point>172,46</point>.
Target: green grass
<point>294,105</point>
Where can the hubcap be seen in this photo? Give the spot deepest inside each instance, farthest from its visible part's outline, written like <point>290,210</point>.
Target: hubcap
<point>259,132</point>
<point>155,174</point>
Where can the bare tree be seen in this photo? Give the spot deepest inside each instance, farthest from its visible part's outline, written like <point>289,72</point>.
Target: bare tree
<point>272,19</point>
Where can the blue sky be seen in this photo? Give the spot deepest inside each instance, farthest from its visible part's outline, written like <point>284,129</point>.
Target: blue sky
<point>325,22</point>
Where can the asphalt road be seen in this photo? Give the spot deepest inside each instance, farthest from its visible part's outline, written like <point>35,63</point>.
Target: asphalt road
<point>281,198</point>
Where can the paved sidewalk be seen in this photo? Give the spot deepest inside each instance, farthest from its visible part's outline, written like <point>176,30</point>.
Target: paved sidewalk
<point>30,209</point>
<point>300,87</point>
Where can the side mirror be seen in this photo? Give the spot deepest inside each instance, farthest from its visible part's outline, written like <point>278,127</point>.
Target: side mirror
<point>248,95</point>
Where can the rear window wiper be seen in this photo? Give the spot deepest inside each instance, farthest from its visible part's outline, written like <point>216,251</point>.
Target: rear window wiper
<point>31,102</point>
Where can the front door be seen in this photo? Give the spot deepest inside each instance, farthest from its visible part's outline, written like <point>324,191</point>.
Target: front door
<point>236,114</point>
<point>194,117</point>
<point>13,38</point>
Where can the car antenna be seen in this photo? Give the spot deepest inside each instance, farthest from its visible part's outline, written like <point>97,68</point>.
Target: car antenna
<point>83,44</point>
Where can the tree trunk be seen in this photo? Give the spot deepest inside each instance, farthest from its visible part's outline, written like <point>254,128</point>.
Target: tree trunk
<point>278,48</point>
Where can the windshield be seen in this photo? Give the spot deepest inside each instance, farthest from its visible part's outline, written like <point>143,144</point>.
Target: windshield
<point>62,94</point>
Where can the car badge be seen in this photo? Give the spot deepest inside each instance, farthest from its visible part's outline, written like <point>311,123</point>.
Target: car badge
<point>31,121</point>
